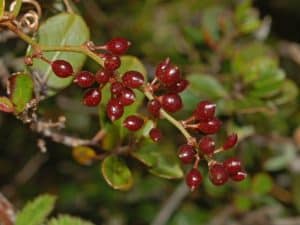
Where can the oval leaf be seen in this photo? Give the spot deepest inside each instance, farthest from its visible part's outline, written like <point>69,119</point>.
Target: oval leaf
<point>62,29</point>
<point>83,155</point>
<point>2,7</point>
<point>20,90</point>
<point>262,184</point>
<point>6,105</point>
<point>116,173</point>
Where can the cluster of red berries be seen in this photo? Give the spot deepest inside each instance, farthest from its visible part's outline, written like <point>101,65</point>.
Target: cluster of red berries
<point>204,120</point>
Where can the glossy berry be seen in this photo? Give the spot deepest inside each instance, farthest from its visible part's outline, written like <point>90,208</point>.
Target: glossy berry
<point>230,141</point>
<point>171,102</point>
<point>179,86</point>
<point>218,174</point>
<point>205,111</point>
<point>207,145</point>
<point>161,67</point>
<point>111,62</point>
<point>84,79</point>
<point>133,123</point>
<point>116,87</point>
<point>118,46</point>
<point>239,176</point>
<point>186,153</point>
<point>126,97</point>
<point>114,109</point>
<point>133,79</point>
<point>62,68</point>
<point>193,179</point>
<point>233,166</point>
<point>210,127</point>
<point>155,134</point>
<point>170,76</point>
<point>154,107</point>
<point>102,76</point>
<point>92,97</point>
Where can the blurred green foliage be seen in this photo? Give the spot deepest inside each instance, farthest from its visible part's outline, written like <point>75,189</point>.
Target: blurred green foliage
<point>221,52</point>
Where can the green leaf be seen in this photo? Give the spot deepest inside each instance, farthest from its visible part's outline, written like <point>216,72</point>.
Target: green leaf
<point>2,7</point>
<point>296,190</point>
<point>68,220</point>
<point>262,184</point>
<point>147,152</point>
<point>62,29</point>
<point>116,173</point>
<point>289,92</point>
<point>83,155</point>
<point>6,105</point>
<point>35,212</point>
<point>17,7</point>
<point>21,91</point>
<point>206,85</point>
<point>210,22</point>
<point>242,202</point>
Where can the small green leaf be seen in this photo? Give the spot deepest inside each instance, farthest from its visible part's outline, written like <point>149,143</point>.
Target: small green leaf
<point>2,7</point>
<point>68,220</point>
<point>116,173</point>
<point>262,184</point>
<point>146,152</point>
<point>242,202</point>
<point>210,22</point>
<point>21,91</point>
<point>17,7</point>
<point>62,29</point>
<point>289,92</point>
<point>6,105</point>
<point>206,85</point>
<point>35,212</point>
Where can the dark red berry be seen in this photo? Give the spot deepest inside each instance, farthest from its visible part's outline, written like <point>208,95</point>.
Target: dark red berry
<point>92,97</point>
<point>84,79</point>
<point>116,87</point>
<point>114,109</point>
<point>161,67</point>
<point>133,79</point>
<point>231,140</point>
<point>155,134</point>
<point>186,153</point>
<point>193,179</point>
<point>126,97</point>
<point>210,127</point>
<point>218,174</point>
<point>154,107</point>
<point>133,123</point>
<point>62,68</point>
<point>170,76</point>
<point>205,111</point>
<point>239,176</point>
<point>111,62</point>
<point>207,145</point>
<point>179,86</point>
<point>171,102</point>
<point>102,76</point>
<point>118,46</point>
<point>233,166</point>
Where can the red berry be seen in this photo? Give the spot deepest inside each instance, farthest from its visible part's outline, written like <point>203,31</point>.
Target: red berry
<point>62,68</point>
<point>111,62</point>
<point>218,174</point>
<point>231,140</point>
<point>155,134</point>
<point>126,97</point>
<point>179,86</point>
<point>207,145</point>
<point>239,176</point>
<point>133,79</point>
<point>118,46</point>
<point>233,166</point>
<point>84,79</point>
<point>116,87</point>
<point>210,127</point>
<point>205,111</point>
<point>170,76</point>
<point>133,123</point>
<point>186,153</point>
<point>102,76</point>
<point>92,97</point>
<point>171,102</point>
<point>193,179</point>
<point>114,109</point>
<point>154,107</point>
<point>161,67</point>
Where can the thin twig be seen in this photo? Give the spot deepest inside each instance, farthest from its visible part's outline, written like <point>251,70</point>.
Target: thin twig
<point>172,203</point>
<point>7,213</point>
<point>68,6</point>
